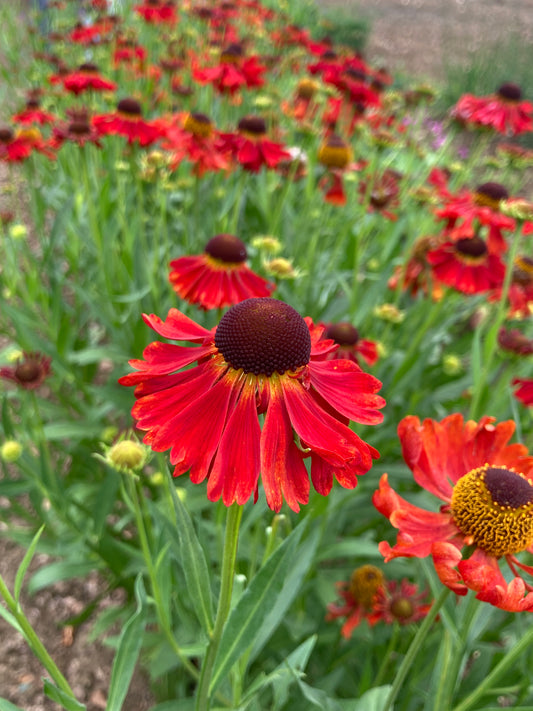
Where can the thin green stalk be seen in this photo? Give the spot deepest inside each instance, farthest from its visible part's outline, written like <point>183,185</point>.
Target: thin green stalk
<point>495,325</point>
<point>512,656</point>
<point>414,648</point>
<point>144,531</point>
<point>34,642</point>
<point>380,676</point>
<point>233,521</point>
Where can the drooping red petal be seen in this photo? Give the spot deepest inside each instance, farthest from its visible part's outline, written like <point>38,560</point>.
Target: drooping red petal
<point>235,470</point>
<point>446,556</point>
<point>177,327</point>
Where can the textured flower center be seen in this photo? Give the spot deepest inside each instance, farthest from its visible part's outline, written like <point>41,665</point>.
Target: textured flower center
<point>88,68</point>
<point>129,106</point>
<point>226,248</point>
<point>199,124</point>
<point>510,91</point>
<point>364,584</point>
<point>472,248</point>
<point>6,135</point>
<point>232,54</point>
<point>307,88</point>
<point>490,195</point>
<point>263,336</point>
<point>494,507</point>
<point>252,125</point>
<point>342,333</point>
<point>334,152</point>
<point>79,128</point>
<point>402,608</point>
<point>28,371</point>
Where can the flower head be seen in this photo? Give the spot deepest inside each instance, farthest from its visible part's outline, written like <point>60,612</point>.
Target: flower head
<point>399,602</point>
<point>263,358</point>
<point>524,391</point>
<point>29,372</point>
<point>504,111</point>
<point>219,277</point>
<point>351,345</point>
<point>357,597</point>
<point>127,121</point>
<point>486,485</point>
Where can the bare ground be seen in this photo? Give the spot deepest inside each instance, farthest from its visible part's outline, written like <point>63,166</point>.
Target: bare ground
<point>417,37</point>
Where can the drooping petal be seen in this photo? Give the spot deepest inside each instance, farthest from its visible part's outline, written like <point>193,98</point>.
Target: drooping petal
<point>283,472</point>
<point>235,470</point>
<point>177,327</point>
<point>446,556</point>
<point>348,389</point>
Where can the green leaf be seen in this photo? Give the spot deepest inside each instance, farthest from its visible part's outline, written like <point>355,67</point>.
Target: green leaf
<point>8,706</point>
<point>61,570</point>
<point>71,430</point>
<point>10,619</point>
<point>192,558</point>
<point>23,567</point>
<point>304,558</point>
<point>256,605</point>
<point>60,697</point>
<point>129,646</point>
<point>371,700</point>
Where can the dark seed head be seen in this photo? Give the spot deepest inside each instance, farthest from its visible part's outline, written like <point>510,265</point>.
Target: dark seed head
<point>227,248</point>
<point>252,124</point>
<point>263,336</point>
<point>508,488</point>
<point>129,106</point>
<point>510,91</point>
<point>342,333</point>
<point>471,247</point>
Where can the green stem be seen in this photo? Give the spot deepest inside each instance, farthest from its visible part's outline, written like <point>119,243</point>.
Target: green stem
<point>34,642</point>
<point>144,529</point>
<point>492,336</point>
<point>387,656</point>
<point>233,521</point>
<point>414,648</point>
<point>510,658</point>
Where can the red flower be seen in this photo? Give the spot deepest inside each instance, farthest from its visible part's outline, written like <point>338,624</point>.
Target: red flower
<point>17,146</point>
<point>157,12</point>
<point>469,212</point>
<point>401,603</point>
<point>219,277</point>
<point>32,114</point>
<point>503,111</point>
<point>381,192</point>
<point>335,155</point>
<point>357,598</point>
<point>520,295</point>
<point>84,78</point>
<point>233,72</point>
<point>467,265</point>
<point>263,358</point>
<point>524,392</point>
<point>250,147</point>
<point>194,137</point>
<point>415,274</point>
<point>515,341</point>
<point>127,121</point>
<point>350,344</point>
<point>78,129</point>
<point>485,484</point>
<point>29,372</point>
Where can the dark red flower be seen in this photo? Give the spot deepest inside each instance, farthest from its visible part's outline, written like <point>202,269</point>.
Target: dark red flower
<point>78,129</point>
<point>29,372</point>
<point>219,277</point>
<point>351,345</point>
<point>487,489</point>
<point>263,358</point>
<point>515,341</point>
<point>399,602</point>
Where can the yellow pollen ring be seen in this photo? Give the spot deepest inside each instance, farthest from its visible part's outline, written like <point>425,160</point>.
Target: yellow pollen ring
<point>496,528</point>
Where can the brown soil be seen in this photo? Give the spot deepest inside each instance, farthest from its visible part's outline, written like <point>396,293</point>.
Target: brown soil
<point>419,36</point>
